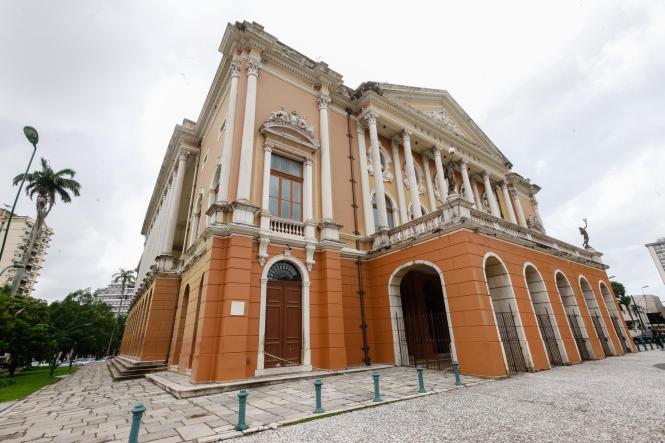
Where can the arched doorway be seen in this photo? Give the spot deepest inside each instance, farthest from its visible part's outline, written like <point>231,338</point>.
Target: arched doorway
<point>615,316</point>
<point>574,317</point>
<point>508,320</point>
<point>596,317</point>
<point>423,327</point>
<point>283,316</point>
<point>420,319</point>
<point>547,323</point>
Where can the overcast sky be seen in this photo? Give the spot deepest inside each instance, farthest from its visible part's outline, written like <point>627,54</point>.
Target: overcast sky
<point>572,92</point>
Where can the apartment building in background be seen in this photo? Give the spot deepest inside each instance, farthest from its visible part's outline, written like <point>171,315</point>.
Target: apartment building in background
<point>112,295</point>
<point>17,240</point>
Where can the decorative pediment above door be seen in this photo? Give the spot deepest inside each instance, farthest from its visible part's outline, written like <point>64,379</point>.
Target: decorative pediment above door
<point>290,130</point>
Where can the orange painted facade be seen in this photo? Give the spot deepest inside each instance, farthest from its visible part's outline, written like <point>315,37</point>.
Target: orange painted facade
<point>208,300</point>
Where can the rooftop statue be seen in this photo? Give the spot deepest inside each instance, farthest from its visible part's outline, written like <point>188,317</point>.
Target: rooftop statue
<point>585,235</point>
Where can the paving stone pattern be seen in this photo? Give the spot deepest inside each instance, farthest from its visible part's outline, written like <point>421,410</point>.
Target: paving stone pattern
<point>88,406</point>
<point>618,399</point>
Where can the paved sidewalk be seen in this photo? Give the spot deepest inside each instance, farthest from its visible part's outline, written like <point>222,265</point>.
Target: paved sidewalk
<point>89,407</point>
<point>619,399</point>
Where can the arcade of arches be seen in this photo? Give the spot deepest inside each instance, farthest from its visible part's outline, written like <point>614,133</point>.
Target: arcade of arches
<point>495,308</point>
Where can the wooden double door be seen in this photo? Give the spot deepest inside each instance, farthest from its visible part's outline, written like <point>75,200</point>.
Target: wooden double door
<point>283,333</point>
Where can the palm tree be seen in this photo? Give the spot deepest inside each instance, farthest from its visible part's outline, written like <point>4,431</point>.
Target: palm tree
<point>123,277</point>
<point>45,186</point>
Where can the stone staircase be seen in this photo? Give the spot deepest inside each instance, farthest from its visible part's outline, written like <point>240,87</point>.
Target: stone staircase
<point>126,368</point>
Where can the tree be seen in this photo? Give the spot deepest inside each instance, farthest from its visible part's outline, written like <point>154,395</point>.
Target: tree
<point>81,324</point>
<point>124,277</point>
<point>45,186</point>
<point>24,329</point>
<point>620,293</point>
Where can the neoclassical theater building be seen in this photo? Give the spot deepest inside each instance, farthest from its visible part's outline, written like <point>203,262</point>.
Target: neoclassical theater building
<point>301,224</point>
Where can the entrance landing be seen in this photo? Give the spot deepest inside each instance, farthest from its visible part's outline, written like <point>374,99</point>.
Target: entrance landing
<point>180,387</point>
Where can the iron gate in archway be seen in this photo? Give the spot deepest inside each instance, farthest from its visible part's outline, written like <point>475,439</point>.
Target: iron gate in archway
<point>580,340</point>
<point>619,331</point>
<point>424,340</point>
<point>604,340</point>
<point>549,338</point>
<point>511,342</point>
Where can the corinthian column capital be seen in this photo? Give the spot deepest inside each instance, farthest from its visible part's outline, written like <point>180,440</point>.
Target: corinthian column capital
<point>253,66</point>
<point>235,69</point>
<point>436,151</point>
<point>371,118</point>
<point>324,101</point>
<point>406,136</point>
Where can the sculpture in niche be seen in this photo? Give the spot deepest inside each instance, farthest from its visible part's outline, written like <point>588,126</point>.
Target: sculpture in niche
<point>385,165</point>
<point>486,203</point>
<point>405,178</point>
<point>450,176</point>
<point>585,234</point>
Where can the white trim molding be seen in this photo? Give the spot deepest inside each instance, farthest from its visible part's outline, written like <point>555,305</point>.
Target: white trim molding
<point>306,352</point>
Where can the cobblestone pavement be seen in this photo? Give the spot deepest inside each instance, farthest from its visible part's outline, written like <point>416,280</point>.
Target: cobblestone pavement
<point>89,407</point>
<point>616,399</point>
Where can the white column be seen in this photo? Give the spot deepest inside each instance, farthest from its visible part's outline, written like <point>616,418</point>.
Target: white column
<point>520,211</point>
<point>468,192</point>
<point>494,207</point>
<point>380,195</point>
<point>227,148</point>
<point>509,205</point>
<point>326,183</point>
<point>411,175</point>
<point>247,147</point>
<point>308,191</point>
<point>428,179</point>
<point>265,191</point>
<point>399,181</point>
<point>440,179</point>
<point>165,210</point>
<point>174,205</point>
<point>364,181</point>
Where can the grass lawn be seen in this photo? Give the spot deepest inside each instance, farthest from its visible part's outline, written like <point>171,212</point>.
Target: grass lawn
<point>28,381</point>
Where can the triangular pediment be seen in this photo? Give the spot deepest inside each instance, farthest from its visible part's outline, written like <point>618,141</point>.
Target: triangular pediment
<point>439,106</point>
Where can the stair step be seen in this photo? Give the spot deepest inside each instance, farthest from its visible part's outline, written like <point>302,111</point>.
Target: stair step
<point>122,368</point>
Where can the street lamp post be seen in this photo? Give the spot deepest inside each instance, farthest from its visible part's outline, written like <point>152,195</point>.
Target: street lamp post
<point>17,265</point>
<point>33,137</point>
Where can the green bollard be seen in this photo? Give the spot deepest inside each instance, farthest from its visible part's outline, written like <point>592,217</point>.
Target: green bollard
<point>242,405</point>
<point>377,393</point>
<point>137,413</point>
<point>317,387</point>
<point>421,382</point>
<point>458,379</point>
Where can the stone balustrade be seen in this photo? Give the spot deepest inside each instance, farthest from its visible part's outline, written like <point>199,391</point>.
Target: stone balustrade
<point>287,227</point>
<point>458,212</point>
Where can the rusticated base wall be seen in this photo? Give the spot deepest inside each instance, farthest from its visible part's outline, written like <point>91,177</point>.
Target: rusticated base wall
<point>192,322</point>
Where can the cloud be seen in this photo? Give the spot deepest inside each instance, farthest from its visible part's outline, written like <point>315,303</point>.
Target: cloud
<point>572,95</point>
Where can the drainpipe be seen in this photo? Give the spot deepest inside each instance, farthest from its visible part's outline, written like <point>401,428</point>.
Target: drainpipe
<point>361,291</point>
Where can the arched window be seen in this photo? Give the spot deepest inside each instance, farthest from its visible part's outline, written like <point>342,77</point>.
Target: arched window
<point>389,212</point>
<point>284,271</point>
